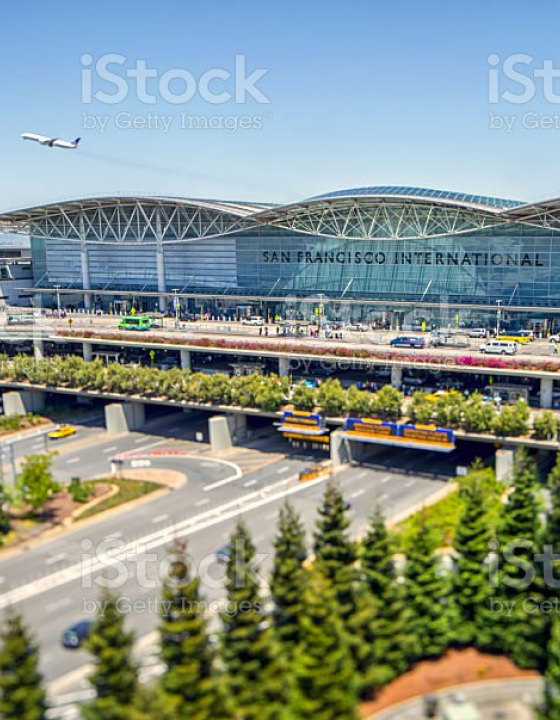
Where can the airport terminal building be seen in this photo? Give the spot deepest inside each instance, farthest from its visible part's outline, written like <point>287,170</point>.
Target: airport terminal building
<point>366,253</point>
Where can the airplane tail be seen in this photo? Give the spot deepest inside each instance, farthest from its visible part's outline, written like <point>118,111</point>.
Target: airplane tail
<point>77,140</point>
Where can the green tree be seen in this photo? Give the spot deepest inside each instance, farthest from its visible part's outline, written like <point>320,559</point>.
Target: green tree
<point>550,709</point>
<point>545,425</point>
<point>35,483</point>
<point>334,550</point>
<point>324,676</point>
<point>303,397</point>
<point>513,420</point>
<point>288,578</point>
<point>387,403</point>
<point>478,416</point>
<point>421,408</point>
<point>518,588</point>
<point>552,532</point>
<point>254,675</point>
<point>381,616</point>
<point>449,409</point>
<point>185,647</point>
<point>332,397</point>
<point>428,594</point>
<point>22,696</point>
<point>359,402</point>
<point>115,674</point>
<point>470,580</point>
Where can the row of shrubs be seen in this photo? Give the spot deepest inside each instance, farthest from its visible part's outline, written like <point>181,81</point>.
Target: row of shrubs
<point>270,393</point>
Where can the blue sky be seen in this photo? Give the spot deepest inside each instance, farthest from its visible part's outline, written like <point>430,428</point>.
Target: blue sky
<point>361,92</point>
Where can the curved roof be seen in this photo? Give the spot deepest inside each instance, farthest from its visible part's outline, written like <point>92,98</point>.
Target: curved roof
<point>415,193</point>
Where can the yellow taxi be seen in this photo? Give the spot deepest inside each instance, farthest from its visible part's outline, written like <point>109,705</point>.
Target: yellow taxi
<point>62,431</point>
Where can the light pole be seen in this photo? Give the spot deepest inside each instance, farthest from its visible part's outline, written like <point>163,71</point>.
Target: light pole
<point>58,300</point>
<point>176,305</point>
<point>498,316</point>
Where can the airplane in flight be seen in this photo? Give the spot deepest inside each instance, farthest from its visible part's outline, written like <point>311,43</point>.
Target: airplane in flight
<point>52,142</point>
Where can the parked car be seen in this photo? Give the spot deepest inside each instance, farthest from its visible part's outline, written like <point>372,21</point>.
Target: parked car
<point>253,320</point>
<point>224,553</point>
<point>357,327</point>
<point>76,635</point>
<point>554,338</point>
<point>477,332</point>
<point>499,347</point>
<point>409,341</point>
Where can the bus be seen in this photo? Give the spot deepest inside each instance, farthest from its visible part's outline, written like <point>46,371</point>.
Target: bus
<point>135,322</point>
<point>520,336</point>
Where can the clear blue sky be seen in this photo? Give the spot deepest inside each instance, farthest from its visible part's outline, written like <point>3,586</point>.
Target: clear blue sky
<point>361,92</point>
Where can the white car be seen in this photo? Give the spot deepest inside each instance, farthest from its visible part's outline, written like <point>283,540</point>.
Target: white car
<point>477,332</point>
<point>498,347</point>
<point>253,320</point>
<point>554,338</point>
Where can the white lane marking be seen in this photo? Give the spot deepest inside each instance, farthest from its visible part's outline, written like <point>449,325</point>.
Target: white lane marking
<point>55,558</point>
<point>386,478</point>
<point>2,580</point>
<point>73,460</point>
<point>409,483</point>
<point>384,496</point>
<point>361,475</point>
<point>110,449</point>
<point>58,604</point>
<point>115,535</point>
<point>231,478</point>
<point>158,538</point>
<point>139,440</point>
<point>200,503</point>
<point>160,518</point>
<point>283,469</point>
<point>249,483</point>
<point>358,493</point>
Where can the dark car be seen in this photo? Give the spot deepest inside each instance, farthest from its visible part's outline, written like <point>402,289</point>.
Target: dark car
<point>408,341</point>
<point>76,635</point>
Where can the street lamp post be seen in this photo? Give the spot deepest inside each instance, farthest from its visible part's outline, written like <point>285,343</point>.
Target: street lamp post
<point>176,305</point>
<point>498,316</point>
<point>58,300</point>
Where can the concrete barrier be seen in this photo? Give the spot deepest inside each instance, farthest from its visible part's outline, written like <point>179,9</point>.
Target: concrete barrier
<point>226,431</point>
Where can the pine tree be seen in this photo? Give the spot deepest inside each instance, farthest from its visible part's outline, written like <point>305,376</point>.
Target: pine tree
<point>288,578</point>
<point>516,626</point>
<point>325,684</point>
<point>335,552</point>
<point>390,643</point>
<point>254,675</point>
<point>185,648</point>
<point>21,693</point>
<point>552,535</point>
<point>114,676</point>
<point>470,580</point>
<point>428,594</point>
<point>551,704</point>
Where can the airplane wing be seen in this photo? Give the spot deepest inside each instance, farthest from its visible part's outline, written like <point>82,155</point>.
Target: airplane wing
<point>43,139</point>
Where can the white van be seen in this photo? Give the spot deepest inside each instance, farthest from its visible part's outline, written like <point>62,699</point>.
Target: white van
<point>499,347</point>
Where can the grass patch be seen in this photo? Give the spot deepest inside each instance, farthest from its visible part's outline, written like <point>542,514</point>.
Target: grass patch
<point>128,490</point>
<point>444,516</point>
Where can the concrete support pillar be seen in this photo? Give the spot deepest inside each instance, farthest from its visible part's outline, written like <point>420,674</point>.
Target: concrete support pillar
<point>87,351</point>
<point>84,258</point>
<point>505,458</point>
<point>124,417</point>
<point>38,349</point>
<point>547,385</point>
<point>220,434</point>
<point>396,376</point>
<point>341,453</point>
<point>226,431</point>
<point>185,359</point>
<point>21,402</point>
<point>283,366</point>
